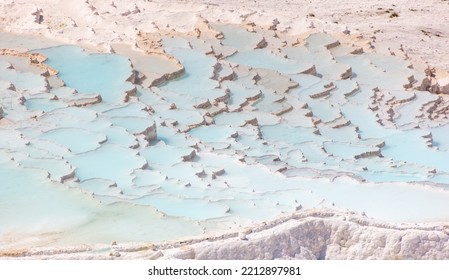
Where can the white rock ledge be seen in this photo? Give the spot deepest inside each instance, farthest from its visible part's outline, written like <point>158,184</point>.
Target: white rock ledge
<point>330,235</point>
<point>311,234</point>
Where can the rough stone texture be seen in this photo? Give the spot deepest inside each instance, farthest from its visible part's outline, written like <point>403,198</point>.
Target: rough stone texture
<point>313,234</point>
<point>331,238</point>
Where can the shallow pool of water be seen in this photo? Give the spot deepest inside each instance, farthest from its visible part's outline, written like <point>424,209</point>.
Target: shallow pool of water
<point>235,139</point>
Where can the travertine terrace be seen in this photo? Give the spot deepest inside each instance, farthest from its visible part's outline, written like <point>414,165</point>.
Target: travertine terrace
<point>199,130</point>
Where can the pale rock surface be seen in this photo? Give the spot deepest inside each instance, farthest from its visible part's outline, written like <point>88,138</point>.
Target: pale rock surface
<point>417,29</point>
<point>327,235</point>
<point>312,234</point>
